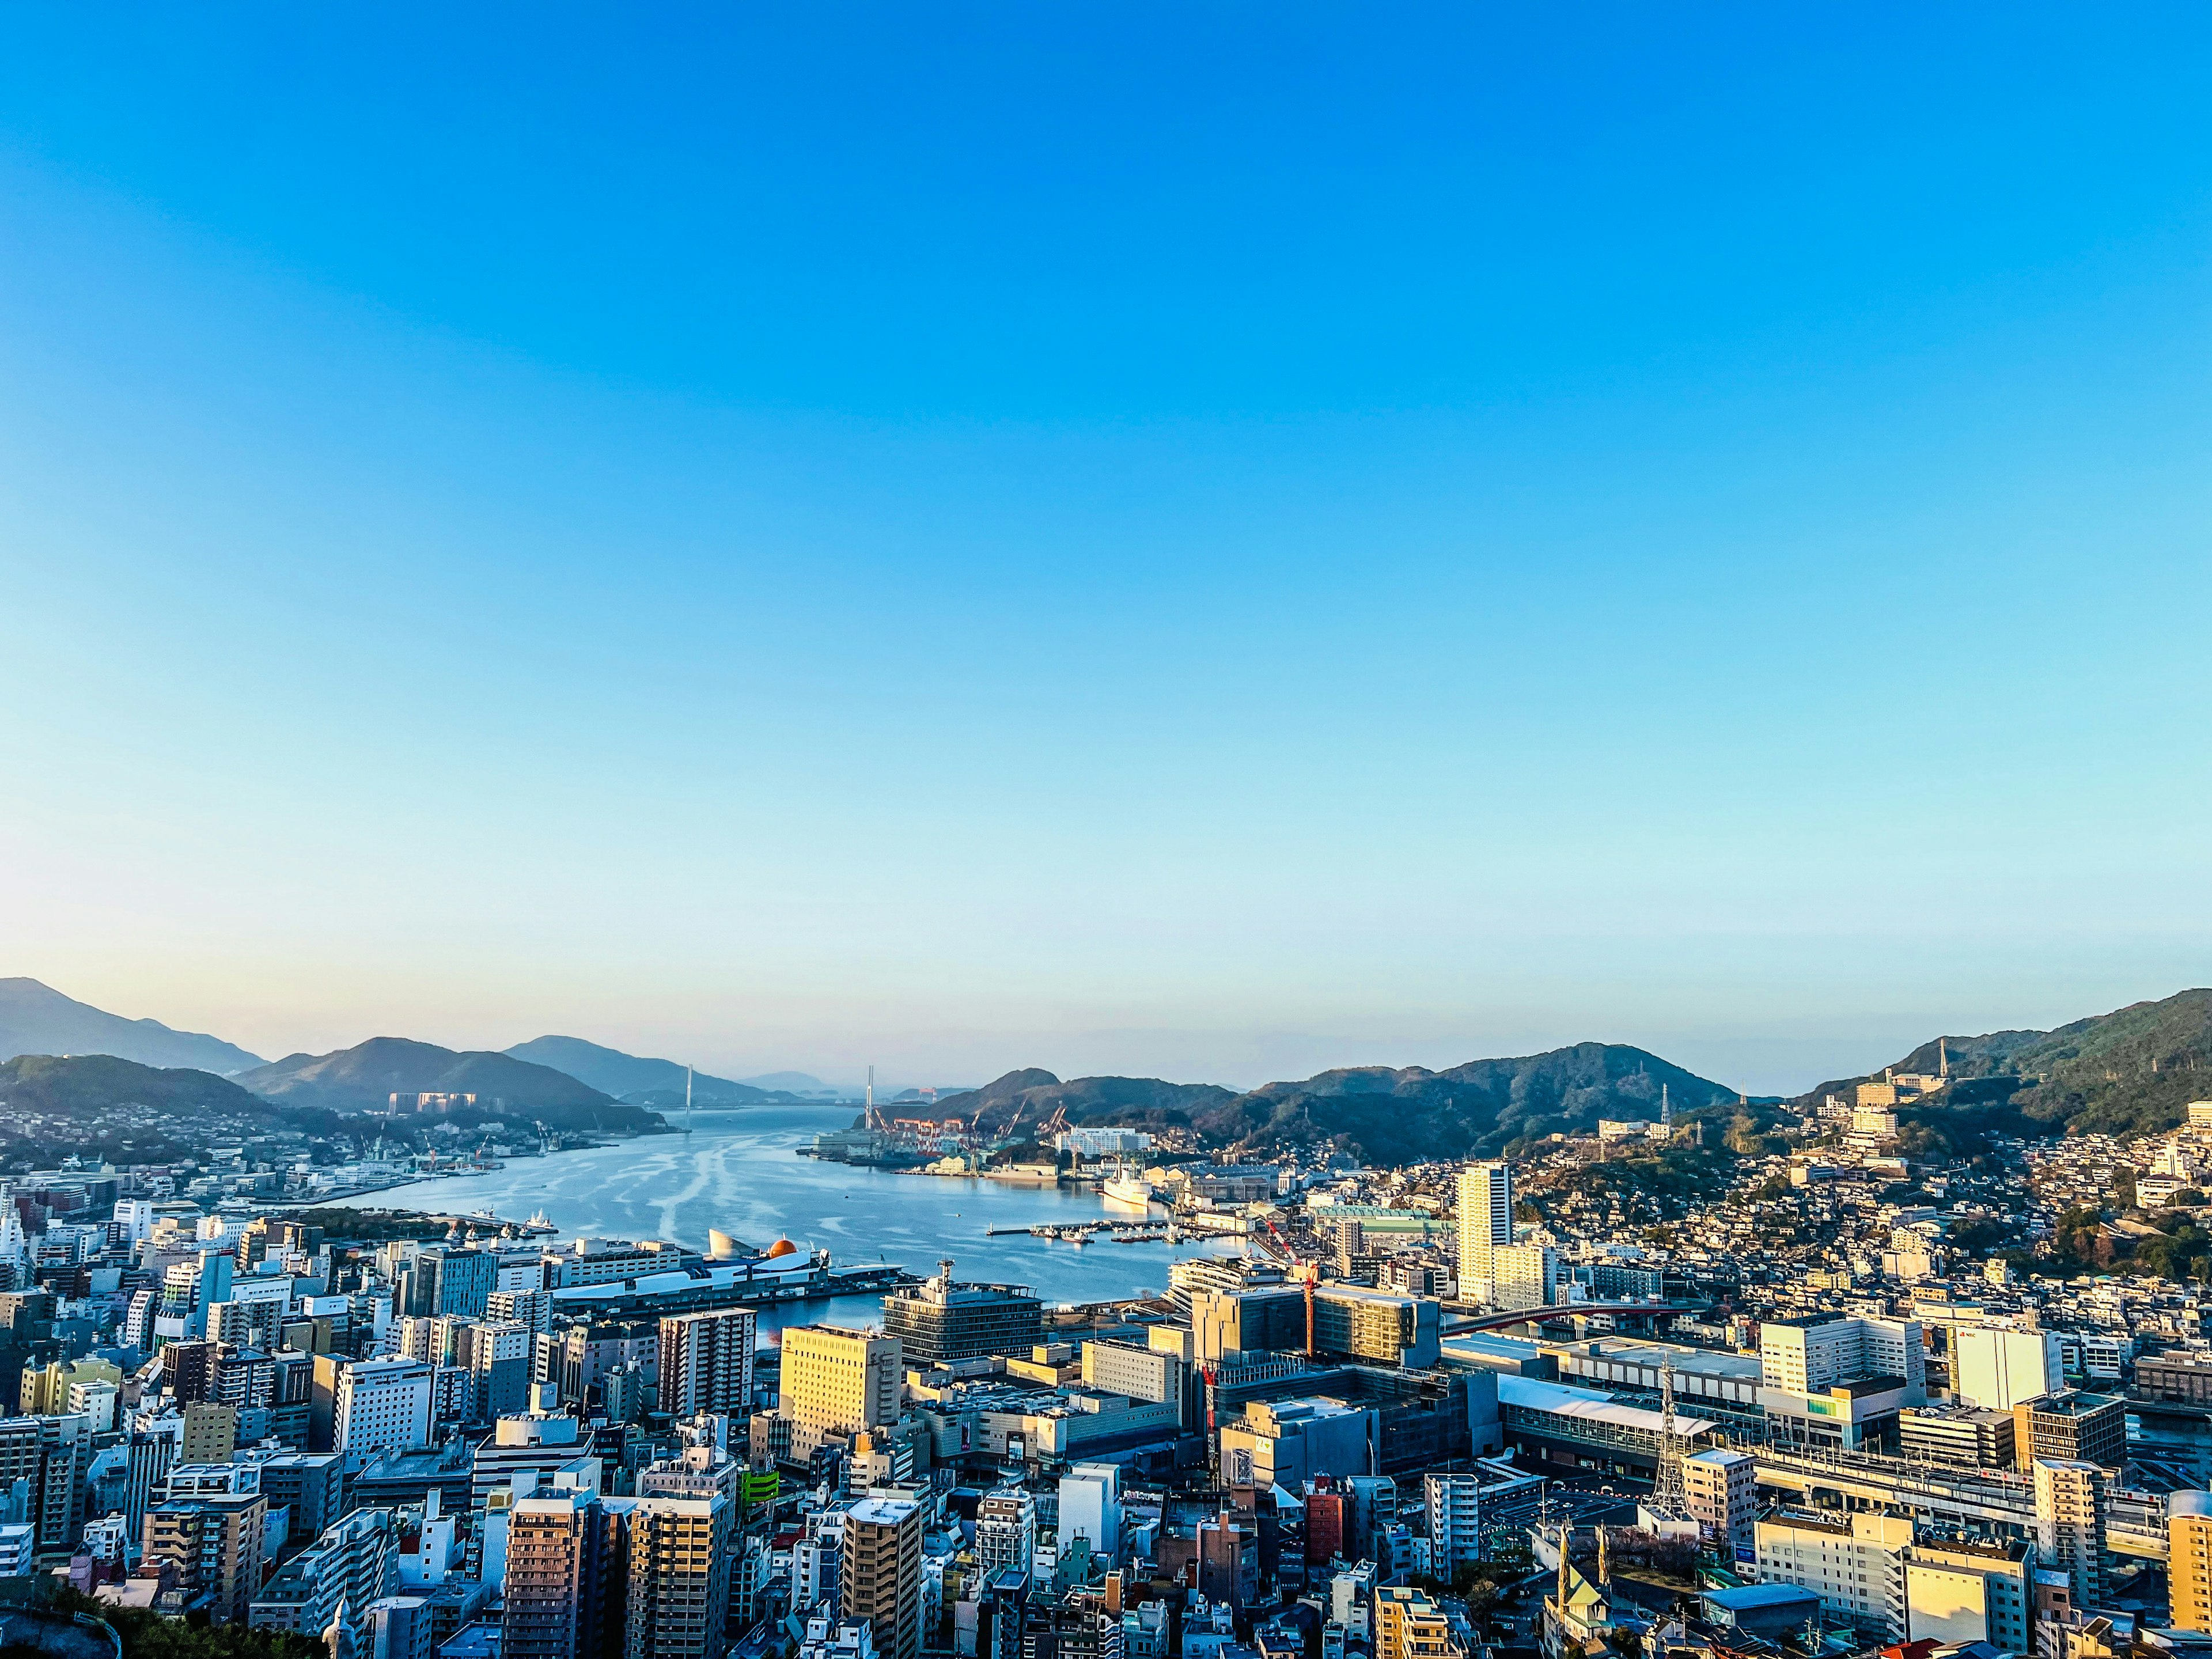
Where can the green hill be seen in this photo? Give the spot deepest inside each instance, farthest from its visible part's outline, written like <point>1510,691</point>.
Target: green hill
<point>364,1078</point>
<point>83,1085</point>
<point>1392,1116</point>
<point>1030,1097</point>
<point>2131,1071</point>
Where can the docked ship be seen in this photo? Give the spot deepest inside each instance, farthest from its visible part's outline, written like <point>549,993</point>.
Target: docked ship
<point>1124,1187</point>
<point>783,1273</point>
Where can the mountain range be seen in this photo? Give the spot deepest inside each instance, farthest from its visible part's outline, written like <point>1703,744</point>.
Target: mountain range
<point>364,1078</point>
<point>634,1078</point>
<point>37,1019</point>
<point>1387,1115</point>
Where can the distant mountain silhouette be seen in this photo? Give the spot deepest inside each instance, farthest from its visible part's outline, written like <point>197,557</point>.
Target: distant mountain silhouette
<point>630,1077</point>
<point>794,1083</point>
<point>364,1078</point>
<point>1389,1116</point>
<point>37,1019</point>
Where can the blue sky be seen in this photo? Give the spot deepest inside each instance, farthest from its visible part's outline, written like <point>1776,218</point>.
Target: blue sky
<point>1213,542</point>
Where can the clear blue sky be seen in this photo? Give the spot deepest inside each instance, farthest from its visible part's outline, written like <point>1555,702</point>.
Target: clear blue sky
<point>1209,541</point>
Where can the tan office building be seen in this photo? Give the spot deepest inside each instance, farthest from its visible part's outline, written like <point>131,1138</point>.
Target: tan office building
<point>838,1382</point>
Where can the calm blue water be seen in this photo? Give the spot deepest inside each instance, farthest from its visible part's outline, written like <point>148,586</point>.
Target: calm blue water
<point>739,1173</point>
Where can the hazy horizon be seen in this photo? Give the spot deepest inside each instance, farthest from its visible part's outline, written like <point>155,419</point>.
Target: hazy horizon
<point>1755,1063</point>
<point>1185,542</point>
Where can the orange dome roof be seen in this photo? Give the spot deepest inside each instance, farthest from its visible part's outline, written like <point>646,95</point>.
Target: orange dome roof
<point>783,1246</point>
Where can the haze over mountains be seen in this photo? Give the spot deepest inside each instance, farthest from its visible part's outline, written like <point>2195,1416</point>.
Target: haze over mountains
<point>2132,1071</point>
<point>37,1019</point>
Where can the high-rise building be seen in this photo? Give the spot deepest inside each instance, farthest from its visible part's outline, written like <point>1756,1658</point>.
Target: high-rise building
<point>210,1432</point>
<point>2073,1499</point>
<point>707,1363</point>
<point>567,1584</point>
<point>213,1543</point>
<point>1997,1369</point>
<point>1486,1221</point>
<point>1006,1532</point>
<point>1523,1276</point>
<point>437,1281</point>
<point>941,1320</point>
<point>678,1601</point>
<point>351,1563</point>
<point>1455,1506</point>
<point>50,1455</point>
<point>496,1354</point>
<point>2189,1560</point>
<point>882,1574</point>
<point>836,1382</point>
<point>1720,1489</point>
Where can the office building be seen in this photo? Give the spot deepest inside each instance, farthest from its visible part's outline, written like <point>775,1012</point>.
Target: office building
<point>1997,1369</point>
<point>380,1405</point>
<point>2071,1426</point>
<point>494,1355</point>
<point>836,1382</point>
<point>1838,1380</point>
<point>1967,1436</point>
<point>881,1573</point>
<point>436,1281</point>
<point>1157,1373</point>
<point>1378,1326</point>
<point>707,1363</point>
<point>1486,1221</point>
<point>941,1320</point>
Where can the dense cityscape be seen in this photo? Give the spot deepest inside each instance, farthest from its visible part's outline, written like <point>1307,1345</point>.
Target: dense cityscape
<point>1622,1392</point>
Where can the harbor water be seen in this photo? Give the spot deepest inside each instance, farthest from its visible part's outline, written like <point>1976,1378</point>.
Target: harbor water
<point>738,1172</point>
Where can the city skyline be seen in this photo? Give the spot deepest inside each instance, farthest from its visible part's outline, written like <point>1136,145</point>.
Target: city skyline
<point>1150,547</point>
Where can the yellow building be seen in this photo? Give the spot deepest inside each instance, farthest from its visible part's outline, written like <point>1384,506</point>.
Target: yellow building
<point>836,1382</point>
<point>2189,1560</point>
<point>46,1389</point>
<point>1409,1625</point>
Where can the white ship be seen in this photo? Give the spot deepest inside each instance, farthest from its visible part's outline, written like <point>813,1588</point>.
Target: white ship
<point>1123,1187</point>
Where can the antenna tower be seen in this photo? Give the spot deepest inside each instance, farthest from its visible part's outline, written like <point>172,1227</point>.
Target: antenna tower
<point>1666,1109</point>
<point>1667,1495</point>
<point>687,1103</point>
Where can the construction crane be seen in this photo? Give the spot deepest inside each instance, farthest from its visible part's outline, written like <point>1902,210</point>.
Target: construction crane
<point>1305,1273</point>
